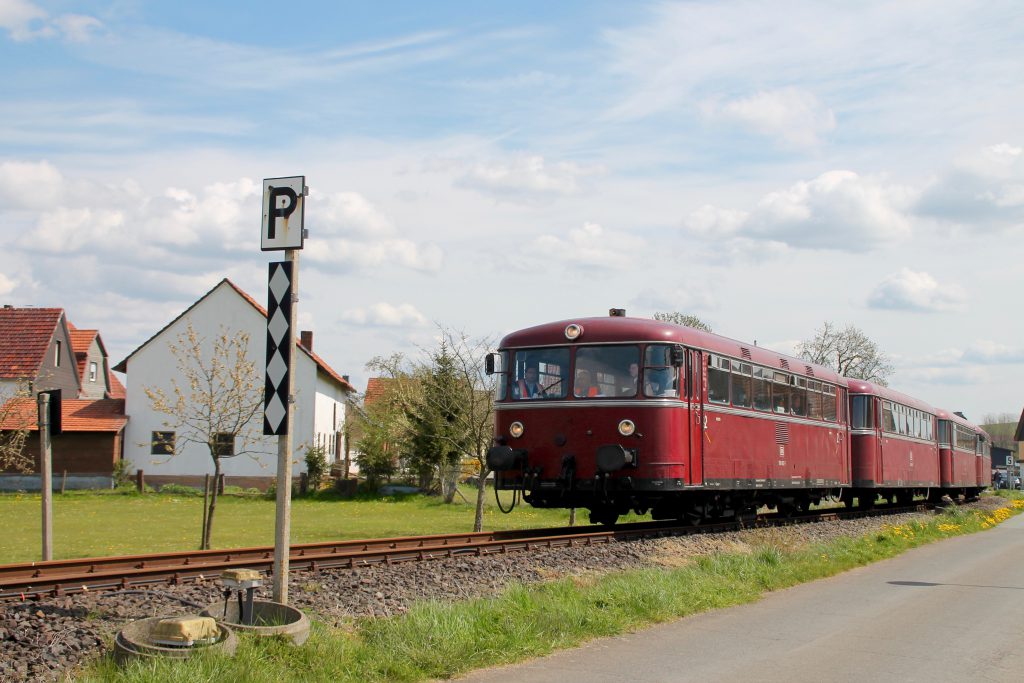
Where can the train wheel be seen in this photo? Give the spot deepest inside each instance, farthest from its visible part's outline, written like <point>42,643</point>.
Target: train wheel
<point>604,516</point>
<point>867,500</point>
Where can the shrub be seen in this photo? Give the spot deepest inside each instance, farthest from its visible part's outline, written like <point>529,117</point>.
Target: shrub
<point>180,490</point>
<point>316,466</point>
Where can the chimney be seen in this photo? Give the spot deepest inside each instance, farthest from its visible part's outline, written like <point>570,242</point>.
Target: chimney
<point>306,339</point>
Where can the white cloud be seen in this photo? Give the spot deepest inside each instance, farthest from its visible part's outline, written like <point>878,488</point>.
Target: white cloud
<point>27,21</point>
<point>986,352</point>
<point>982,191</point>
<point>526,177</point>
<point>588,246</point>
<point>959,376</point>
<point>347,213</point>
<point>792,115</point>
<point>910,290</point>
<point>348,254</point>
<point>838,210</point>
<point>29,185</point>
<point>384,314</point>
<point>7,285</point>
<point>691,298</point>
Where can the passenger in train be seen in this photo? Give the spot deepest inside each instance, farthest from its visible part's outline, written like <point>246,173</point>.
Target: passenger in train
<point>528,386</point>
<point>631,382</point>
<point>584,386</point>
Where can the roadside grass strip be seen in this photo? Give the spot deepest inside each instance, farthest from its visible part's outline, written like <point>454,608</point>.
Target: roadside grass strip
<point>443,639</point>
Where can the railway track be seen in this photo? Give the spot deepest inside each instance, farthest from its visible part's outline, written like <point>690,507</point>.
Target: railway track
<point>58,577</point>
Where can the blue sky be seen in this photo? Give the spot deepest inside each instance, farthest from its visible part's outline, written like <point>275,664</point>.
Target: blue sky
<point>487,166</point>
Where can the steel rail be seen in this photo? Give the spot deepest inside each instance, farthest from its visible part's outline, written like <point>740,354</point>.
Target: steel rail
<point>57,577</point>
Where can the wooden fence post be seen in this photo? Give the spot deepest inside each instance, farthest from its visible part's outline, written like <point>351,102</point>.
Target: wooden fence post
<point>140,481</point>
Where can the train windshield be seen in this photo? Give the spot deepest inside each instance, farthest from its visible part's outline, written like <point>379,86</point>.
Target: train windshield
<point>540,374</point>
<point>606,371</point>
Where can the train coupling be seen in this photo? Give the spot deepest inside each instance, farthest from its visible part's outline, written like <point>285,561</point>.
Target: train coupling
<point>504,458</point>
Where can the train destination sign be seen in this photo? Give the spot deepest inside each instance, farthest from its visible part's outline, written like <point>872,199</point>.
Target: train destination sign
<point>283,213</point>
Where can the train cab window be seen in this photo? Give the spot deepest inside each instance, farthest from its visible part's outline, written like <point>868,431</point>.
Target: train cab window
<point>780,392</point>
<point>828,402</point>
<point>718,379</point>
<point>661,377</point>
<point>606,371</point>
<point>944,432</point>
<point>540,374</point>
<point>798,397</point>
<point>762,388</point>
<point>501,377</point>
<point>741,384</point>
<point>860,409</point>
<point>888,417</point>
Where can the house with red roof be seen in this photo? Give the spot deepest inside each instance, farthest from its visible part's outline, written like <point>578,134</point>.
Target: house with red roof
<point>41,350</point>
<point>166,456</point>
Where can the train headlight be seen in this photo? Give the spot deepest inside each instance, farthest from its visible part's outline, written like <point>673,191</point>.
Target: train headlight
<point>516,429</point>
<point>573,331</point>
<point>627,428</point>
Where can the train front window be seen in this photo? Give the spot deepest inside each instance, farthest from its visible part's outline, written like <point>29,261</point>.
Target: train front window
<point>540,374</point>
<point>661,378</point>
<point>607,371</point>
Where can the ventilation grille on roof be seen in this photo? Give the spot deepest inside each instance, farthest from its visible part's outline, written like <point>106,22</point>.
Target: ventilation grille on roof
<point>745,352</point>
<point>784,363</point>
<point>810,371</point>
<point>781,433</point>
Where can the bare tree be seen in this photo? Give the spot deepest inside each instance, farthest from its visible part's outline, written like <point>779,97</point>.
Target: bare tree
<point>1001,427</point>
<point>17,415</point>
<point>684,319</point>
<point>217,402</point>
<point>848,351</point>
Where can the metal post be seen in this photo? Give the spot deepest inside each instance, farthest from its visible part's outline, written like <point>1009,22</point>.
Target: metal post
<point>283,518</point>
<point>46,475</point>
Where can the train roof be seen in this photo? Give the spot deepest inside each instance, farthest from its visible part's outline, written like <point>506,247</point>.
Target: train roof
<point>953,417</point>
<point>859,386</point>
<point>621,329</point>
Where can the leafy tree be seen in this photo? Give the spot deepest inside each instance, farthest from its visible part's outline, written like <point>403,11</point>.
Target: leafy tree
<point>848,351</point>
<point>17,414</point>
<point>684,319</point>
<point>217,403</point>
<point>316,466</point>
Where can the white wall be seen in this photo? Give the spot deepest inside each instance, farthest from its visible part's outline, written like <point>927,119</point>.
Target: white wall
<point>153,364</point>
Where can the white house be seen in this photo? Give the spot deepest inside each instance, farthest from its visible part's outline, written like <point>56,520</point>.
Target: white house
<point>320,398</point>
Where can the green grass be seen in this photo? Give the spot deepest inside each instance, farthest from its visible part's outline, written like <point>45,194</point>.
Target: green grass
<point>89,524</point>
<point>440,640</point>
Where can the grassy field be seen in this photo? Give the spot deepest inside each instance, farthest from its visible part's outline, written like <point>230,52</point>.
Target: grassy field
<point>87,524</point>
<point>440,640</point>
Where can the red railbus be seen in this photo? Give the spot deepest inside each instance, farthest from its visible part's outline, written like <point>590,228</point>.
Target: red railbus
<point>894,443</point>
<point>617,414</point>
<point>962,448</point>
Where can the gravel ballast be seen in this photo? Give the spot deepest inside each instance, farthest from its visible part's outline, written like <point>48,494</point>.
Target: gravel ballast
<point>43,640</point>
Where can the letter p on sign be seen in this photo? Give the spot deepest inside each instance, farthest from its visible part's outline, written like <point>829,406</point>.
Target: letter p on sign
<point>284,204</point>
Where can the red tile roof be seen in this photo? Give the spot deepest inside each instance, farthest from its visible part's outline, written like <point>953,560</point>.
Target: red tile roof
<point>345,384</point>
<point>77,415</point>
<point>116,388</point>
<point>25,335</point>
<point>81,340</point>
<point>376,388</point>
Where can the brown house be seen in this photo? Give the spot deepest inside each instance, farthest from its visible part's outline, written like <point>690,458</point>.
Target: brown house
<point>41,350</point>
<point>84,454</point>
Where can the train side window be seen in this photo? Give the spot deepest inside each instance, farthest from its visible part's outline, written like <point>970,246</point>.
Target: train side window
<point>741,384</point>
<point>798,397</point>
<point>762,389</point>
<point>718,379</point>
<point>780,392</point>
<point>888,417</point>
<point>828,403</point>
<point>814,407</point>
<point>860,409</point>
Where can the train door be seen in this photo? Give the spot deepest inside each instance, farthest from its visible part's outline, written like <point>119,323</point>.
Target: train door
<point>844,436</point>
<point>694,396</point>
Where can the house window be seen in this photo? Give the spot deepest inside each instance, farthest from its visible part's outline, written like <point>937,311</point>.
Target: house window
<point>92,371</point>
<point>223,444</point>
<point>56,354</point>
<point>162,443</point>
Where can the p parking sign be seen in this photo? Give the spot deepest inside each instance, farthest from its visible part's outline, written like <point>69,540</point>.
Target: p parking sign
<point>283,213</point>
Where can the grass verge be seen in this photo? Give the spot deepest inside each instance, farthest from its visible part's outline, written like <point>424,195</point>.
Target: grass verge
<point>440,640</point>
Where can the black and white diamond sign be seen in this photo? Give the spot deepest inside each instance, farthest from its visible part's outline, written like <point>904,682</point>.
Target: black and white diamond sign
<point>279,315</point>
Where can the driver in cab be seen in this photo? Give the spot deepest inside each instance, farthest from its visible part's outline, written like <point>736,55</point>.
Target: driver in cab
<point>528,386</point>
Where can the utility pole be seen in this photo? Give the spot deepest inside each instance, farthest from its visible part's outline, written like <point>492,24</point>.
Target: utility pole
<point>46,474</point>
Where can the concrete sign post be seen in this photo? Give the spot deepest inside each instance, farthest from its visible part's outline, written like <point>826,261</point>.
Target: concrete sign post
<point>46,474</point>
<point>282,229</point>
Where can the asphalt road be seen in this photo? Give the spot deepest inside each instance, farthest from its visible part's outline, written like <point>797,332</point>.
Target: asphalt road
<point>949,611</point>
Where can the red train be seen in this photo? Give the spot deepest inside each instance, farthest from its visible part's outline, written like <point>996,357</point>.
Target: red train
<point>618,414</point>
